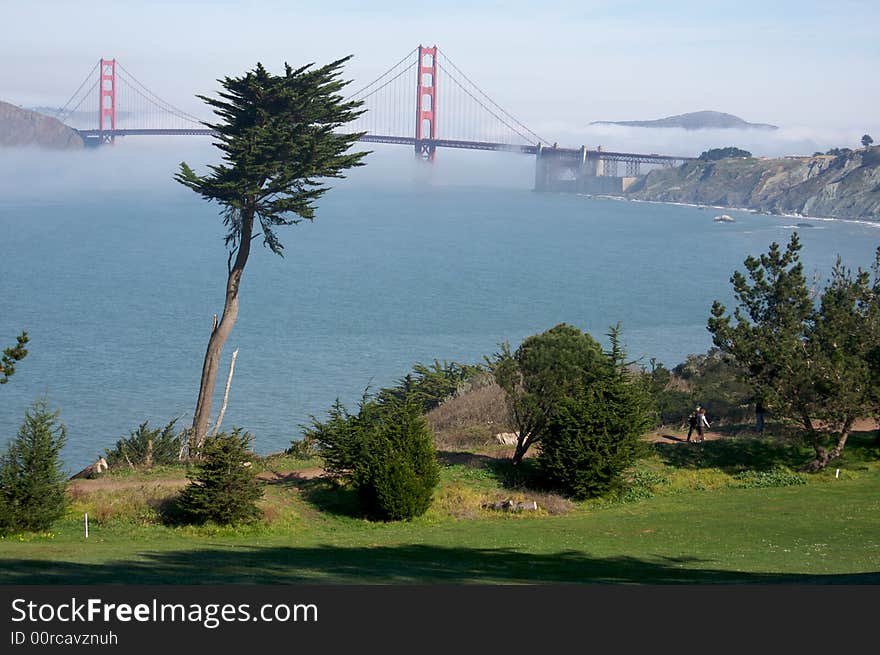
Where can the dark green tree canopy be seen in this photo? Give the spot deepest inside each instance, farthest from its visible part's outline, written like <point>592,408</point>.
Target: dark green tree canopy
<point>544,369</point>
<point>12,355</point>
<point>767,339</point>
<point>278,138</point>
<point>714,154</point>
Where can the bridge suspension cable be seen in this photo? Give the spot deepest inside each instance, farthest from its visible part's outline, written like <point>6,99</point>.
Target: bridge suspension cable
<point>389,101</point>
<point>62,113</point>
<point>151,97</point>
<point>354,96</point>
<point>517,126</point>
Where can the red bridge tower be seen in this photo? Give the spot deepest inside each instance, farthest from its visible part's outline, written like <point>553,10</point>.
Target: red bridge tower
<point>107,106</point>
<point>426,103</point>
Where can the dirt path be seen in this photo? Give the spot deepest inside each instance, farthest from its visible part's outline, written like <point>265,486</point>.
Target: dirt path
<point>115,484</point>
<point>674,436</point>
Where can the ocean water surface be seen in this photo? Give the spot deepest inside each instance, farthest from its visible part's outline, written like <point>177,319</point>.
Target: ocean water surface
<point>116,271</point>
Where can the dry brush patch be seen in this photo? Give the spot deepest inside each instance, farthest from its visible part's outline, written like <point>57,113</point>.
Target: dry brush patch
<point>471,418</point>
<point>138,503</point>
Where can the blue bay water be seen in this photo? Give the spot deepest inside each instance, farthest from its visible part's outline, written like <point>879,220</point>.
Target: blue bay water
<point>115,271</point>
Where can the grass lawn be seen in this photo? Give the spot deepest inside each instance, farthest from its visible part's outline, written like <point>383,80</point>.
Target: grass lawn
<point>712,513</point>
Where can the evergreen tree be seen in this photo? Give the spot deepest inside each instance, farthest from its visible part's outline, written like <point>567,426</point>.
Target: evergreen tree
<point>224,488</point>
<point>279,139</point>
<point>397,474</point>
<point>593,430</point>
<point>12,355</point>
<point>544,369</point>
<point>32,484</point>
<point>843,341</point>
<point>768,337</point>
<point>340,439</point>
<point>593,435</point>
<point>385,452</point>
<point>810,364</point>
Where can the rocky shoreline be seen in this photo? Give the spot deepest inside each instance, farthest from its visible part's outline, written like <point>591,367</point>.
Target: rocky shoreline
<point>821,186</point>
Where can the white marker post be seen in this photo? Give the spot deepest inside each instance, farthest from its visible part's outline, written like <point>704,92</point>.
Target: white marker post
<point>837,474</point>
<point>86,522</point>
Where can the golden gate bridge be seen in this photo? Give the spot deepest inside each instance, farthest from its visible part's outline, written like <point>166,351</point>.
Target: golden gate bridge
<point>403,107</point>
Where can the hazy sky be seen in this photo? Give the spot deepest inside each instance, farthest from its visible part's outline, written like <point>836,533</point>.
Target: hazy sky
<point>808,66</point>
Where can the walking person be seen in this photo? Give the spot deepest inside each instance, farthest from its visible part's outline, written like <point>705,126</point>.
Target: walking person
<point>759,417</point>
<point>702,422</point>
<point>693,419</point>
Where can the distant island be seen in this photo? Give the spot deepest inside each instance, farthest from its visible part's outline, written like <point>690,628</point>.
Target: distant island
<point>21,127</point>
<point>697,120</point>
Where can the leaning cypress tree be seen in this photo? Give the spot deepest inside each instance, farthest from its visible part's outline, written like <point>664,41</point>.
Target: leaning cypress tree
<point>279,139</point>
<point>32,484</point>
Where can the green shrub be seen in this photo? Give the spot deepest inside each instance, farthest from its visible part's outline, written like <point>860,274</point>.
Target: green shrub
<point>546,368</point>
<point>146,447</point>
<point>429,386</point>
<point>397,474</point>
<point>340,439</point>
<point>715,154</point>
<point>32,485</point>
<point>593,436</point>
<point>224,488</point>
<point>776,477</point>
<point>385,451</point>
<point>304,448</point>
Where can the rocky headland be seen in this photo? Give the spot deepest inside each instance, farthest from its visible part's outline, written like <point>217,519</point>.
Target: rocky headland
<point>844,186</point>
<point>21,127</point>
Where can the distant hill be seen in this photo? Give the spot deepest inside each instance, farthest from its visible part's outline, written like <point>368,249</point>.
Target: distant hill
<point>21,127</point>
<point>845,186</point>
<point>697,120</point>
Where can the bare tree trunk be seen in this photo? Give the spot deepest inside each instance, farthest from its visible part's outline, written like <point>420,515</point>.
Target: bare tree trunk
<point>202,414</point>
<point>824,457</point>
<point>225,394</point>
<point>522,446</point>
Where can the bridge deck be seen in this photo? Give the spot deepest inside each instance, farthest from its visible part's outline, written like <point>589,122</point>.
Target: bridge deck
<point>652,158</point>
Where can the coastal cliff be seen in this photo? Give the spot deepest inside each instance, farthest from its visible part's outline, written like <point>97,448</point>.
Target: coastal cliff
<point>845,186</point>
<point>20,127</point>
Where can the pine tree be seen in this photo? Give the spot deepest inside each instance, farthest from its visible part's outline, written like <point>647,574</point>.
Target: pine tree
<point>224,488</point>
<point>397,474</point>
<point>32,484</point>
<point>12,355</point>
<point>812,364</point>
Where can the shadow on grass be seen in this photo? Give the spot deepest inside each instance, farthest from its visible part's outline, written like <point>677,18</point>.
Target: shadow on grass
<point>733,455</point>
<point>464,458</point>
<point>326,495</point>
<point>760,454</point>
<point>405,564</point>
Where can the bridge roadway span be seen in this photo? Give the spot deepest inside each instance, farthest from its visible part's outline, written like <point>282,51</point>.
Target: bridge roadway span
<point>439,143</point>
